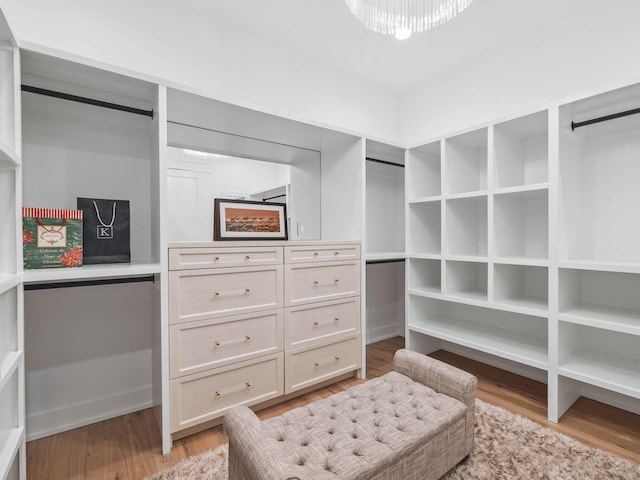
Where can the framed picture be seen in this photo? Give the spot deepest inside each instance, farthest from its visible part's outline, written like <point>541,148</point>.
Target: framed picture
<point>249,220</point>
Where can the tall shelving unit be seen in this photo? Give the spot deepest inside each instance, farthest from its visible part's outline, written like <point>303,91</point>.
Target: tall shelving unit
<point>599,248</point>
<point>92,332</point>
<point>523,250</point>
<point>12,364</point>
<point>384,241</point>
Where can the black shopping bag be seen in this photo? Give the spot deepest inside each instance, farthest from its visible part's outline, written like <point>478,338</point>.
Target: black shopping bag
<point>106,230</point>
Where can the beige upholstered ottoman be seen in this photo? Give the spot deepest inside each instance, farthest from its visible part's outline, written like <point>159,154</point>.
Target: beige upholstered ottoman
<point>415,422</point>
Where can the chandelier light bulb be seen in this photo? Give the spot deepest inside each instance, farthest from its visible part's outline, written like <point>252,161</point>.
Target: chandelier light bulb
<point>403,17</point>
<point>403,33</point>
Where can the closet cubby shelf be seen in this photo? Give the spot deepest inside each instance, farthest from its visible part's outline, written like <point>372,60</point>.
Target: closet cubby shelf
<point>521,188</point>
<point>518,347</point>
<point>522,287</point>
<point>521,222</point>
<point>91,272</point>
<point>619,374</point>
<point>602,299</point>
<point>465,159</point>
<point>471,195</point>
<point>424,229</point>
<point>526,261</point>
<point>466,280</point>
<point>521,150</point>
<point>423,178</point>
<point>615,319</point>
<point>466,226</point>
<point>631,267</point>
<point>419,200</point>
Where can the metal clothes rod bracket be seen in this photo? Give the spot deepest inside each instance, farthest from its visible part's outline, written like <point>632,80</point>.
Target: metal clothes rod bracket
<point>384,162</point>
<point>575,125</point>
<point>390,260</point>
<point>88,101</point>
<point>88,283</point>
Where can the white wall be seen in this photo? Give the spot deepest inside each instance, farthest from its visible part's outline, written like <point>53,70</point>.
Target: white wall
<point>594,48</point>
<point>188,48</point>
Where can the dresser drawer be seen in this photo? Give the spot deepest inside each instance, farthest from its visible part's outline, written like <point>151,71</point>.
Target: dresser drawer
<point>306,367</point>
<point>196,258</point>
<point>307,283</point>
<point>321,253</point>
<point>203,345</point>
<point>314,323</point>
<point>205,396</point>
<point>204,294</point>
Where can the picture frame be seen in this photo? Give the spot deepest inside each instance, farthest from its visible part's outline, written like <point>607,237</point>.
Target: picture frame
<point>249,220</point>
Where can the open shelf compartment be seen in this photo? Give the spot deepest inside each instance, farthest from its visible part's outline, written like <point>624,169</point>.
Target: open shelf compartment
<point>425,228</point>
<point>467,280</point>
<point>521,149</point>
<point>606,359</point>
<point>516,337</point>
<point>424,171</point>
<point>425,275</point>
<point>608,300</point>
<point>522,286</point>
<point>467,226</point>
<point>599,173</point>
<point>384,208</point>
<point>522,224</point>
<point>466,162</point>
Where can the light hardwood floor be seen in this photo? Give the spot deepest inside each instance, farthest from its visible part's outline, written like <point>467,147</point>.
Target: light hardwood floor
<point>128,447</point>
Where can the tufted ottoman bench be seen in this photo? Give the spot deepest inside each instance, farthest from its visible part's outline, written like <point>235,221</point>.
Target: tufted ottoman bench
<point>415,422</point>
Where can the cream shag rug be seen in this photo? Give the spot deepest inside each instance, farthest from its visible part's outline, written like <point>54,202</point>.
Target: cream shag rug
<point>507,447</point>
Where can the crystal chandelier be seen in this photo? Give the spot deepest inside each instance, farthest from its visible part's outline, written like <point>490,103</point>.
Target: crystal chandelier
<point>403,17</point>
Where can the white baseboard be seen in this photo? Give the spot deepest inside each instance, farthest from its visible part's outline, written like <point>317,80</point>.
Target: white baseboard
<point>47,423</point>
<point>382,333</point>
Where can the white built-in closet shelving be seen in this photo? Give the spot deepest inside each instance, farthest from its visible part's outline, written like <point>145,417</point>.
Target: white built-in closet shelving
<point>97,335</point>
<point>92,332</point>
<point>12,363</point>
<point>523,249</point>
<point>384,241</point>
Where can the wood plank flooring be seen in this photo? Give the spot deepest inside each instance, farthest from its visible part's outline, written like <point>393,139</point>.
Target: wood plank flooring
<point>129,447</point>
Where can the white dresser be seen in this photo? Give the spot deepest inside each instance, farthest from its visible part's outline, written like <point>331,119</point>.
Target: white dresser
<point>252,322</point>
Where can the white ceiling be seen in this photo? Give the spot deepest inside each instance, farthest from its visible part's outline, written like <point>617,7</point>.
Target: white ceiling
<point>325,31</point>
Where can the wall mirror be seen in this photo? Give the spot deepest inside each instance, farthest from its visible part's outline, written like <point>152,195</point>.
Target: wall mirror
<point>204,164</point>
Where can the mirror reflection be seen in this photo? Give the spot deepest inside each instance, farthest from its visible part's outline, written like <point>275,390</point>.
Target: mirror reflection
<point>196,176</point>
